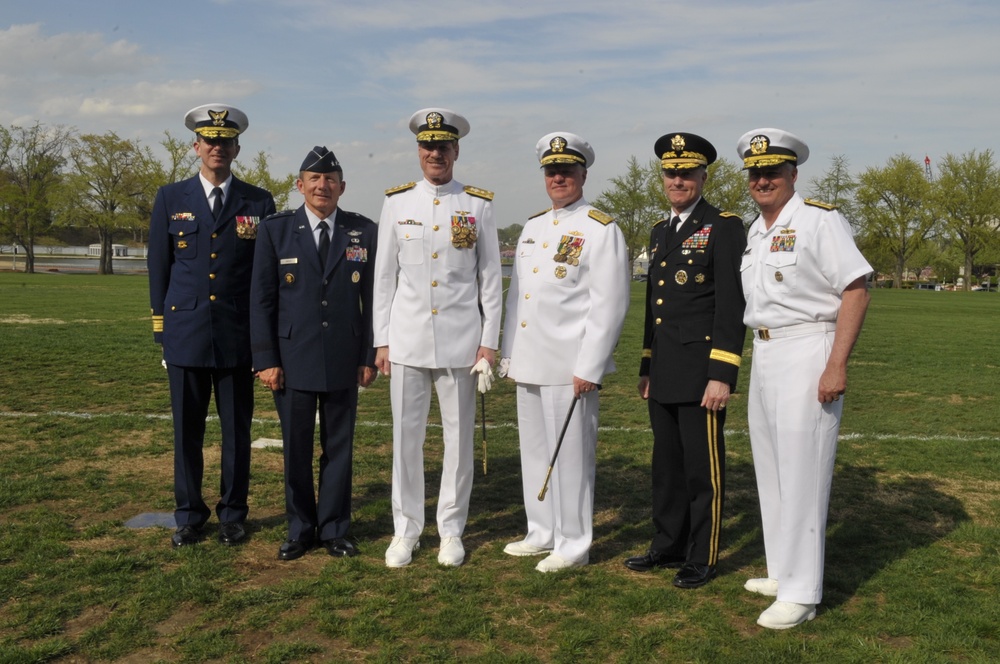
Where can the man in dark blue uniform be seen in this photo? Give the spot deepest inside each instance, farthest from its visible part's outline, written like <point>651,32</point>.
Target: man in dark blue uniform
<point>311,330</point>
<point>691,354</point>
<point>201,245</point>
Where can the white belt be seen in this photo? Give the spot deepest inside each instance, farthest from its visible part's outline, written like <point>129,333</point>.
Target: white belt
<point>766,334</point>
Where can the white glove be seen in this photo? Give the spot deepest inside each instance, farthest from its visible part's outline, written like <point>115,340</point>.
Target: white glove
<point>482,367</point>
<point>503,367</point>
<point>164,363</point>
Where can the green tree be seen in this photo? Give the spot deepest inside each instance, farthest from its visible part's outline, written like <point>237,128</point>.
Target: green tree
<point>259,174</point>
<point>109,188</point>
<point>636,202</point>
<point>31,163</point>
<point>895,214</point>
<point>509,235</point>
<point>837,187</point>
<point>727,189</point>
<point>967,194</point>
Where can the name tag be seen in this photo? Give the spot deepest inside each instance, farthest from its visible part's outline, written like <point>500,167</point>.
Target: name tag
<point>288,261</point>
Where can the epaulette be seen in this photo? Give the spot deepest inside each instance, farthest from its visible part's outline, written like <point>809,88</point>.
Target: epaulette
<point>277,215</point>
<point>820,204</point>
<point>402,187</point>
<point>600,217</point>
<point>728,215</point>
<point>538,214</point>
<point>661,221</point>
<point>479,193</point>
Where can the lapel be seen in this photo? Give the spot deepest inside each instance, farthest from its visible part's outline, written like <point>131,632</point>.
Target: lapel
<point>197,203</point>
<point>304,240</point>
<point>338,243</point>
<point>232,204</point>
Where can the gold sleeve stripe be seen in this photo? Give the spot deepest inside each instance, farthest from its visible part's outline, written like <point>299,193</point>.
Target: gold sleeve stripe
<point>647,353</point>
<point>157,323</point>
<point>723,356</point>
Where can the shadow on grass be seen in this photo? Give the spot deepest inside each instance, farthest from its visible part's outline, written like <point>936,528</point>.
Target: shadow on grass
<point>874,519</point>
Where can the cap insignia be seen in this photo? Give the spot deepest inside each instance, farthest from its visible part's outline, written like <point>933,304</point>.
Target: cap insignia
<point>677,143</point>
<point>434,120</point>
<point>758,144</point>
<point>558,144</point>
<point>218,117</point>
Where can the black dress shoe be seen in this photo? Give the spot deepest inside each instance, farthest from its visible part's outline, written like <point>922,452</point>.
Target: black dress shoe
<point>694,575</point>
<point>653,560</point>
<point>340,547</point>
<point>294,549</point>
<point>186,536</point>
<point>232,532</point>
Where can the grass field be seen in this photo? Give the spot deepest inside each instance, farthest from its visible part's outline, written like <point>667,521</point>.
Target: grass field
<point>913,555</point>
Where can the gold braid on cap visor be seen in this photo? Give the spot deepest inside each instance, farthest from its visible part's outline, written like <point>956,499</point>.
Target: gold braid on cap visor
<point>217,132</point>
<point>563,158</point>
<point>429,135</point>
<point>683,160</point>
<point>762,160</point>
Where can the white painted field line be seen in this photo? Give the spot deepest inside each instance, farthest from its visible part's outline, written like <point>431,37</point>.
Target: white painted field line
<point>506,425</point>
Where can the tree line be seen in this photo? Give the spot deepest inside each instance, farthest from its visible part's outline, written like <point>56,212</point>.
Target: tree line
<point>52,177</point>
<point>903,220</point>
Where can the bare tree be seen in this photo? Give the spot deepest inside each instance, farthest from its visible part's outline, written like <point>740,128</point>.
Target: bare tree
<point>837,187</point>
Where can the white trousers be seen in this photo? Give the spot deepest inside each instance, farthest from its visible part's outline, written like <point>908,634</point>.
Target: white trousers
<point>564,521</point>
<point>794,441</point>
<point>410,393</point>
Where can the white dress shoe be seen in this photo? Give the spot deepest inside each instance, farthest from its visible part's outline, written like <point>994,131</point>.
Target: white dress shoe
<point>767,587</point>
<point>783,615</point>
<point>400,551</point>
<point>555,563</point>
<point>522,548</point>
<point>452,552</point>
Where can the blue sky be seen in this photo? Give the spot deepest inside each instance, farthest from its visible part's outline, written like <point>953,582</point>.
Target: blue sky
<point>864,78</point>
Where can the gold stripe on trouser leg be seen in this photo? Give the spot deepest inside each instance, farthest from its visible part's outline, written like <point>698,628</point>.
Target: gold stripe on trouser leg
<point>712,424</point>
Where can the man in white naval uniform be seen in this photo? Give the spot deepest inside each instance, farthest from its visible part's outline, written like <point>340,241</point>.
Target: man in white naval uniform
<point>436,315</point>
<point>804,282</point>
<point>566,307</point>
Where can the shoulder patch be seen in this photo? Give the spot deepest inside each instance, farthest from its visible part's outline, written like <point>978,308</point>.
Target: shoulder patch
<point>479,193</point>
<point>600,217</point>
<point>402,187</point>
<point>729,215</point>
<point>820,204</point>
<point>538,214</point>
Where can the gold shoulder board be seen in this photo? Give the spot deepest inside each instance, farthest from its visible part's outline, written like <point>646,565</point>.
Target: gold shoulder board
<point>402,187</point>
<point>479,193</point>
<point>600,217</point>
<point>820,204</point>
<point>727,215</point>
<point>538,214</point>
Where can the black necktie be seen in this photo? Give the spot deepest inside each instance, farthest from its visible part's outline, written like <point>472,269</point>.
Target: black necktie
<point>217,205</point>
<point>674,223</point>
<point>324,242</point>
